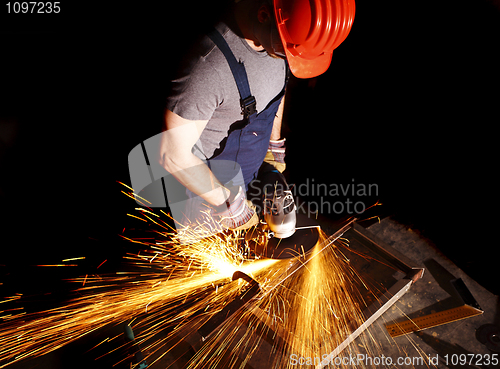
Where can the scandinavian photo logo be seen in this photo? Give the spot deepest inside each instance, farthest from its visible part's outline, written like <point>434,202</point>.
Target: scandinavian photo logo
<point>313,197</point>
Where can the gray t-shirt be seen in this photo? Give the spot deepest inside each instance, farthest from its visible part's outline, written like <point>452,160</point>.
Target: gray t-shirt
<point>205,88</point>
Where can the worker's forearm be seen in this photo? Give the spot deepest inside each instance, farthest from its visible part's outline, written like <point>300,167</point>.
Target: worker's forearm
<point>276,132</point>
<point>197,177</point>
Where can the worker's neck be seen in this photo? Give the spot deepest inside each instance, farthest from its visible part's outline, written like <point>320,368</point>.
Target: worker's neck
<point>242,25</point>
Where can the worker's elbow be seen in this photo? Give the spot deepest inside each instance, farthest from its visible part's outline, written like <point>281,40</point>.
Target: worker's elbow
<point>175,162</point>
<point>168,162</point>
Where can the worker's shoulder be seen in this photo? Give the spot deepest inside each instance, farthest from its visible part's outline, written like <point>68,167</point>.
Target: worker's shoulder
<point>208,48</point>
<point>206,61</point>
<point>204,53</point>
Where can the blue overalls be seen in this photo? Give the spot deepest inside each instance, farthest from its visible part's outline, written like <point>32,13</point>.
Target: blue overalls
<point>247,145</point>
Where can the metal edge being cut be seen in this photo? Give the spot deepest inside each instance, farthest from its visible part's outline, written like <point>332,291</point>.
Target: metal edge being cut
<point>303,259</point>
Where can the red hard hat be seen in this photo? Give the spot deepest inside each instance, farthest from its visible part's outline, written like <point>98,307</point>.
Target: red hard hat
<point>310,30</point>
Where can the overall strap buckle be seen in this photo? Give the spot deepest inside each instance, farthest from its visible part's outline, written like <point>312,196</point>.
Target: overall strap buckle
<point>247,100</point>
<point>248,106</point>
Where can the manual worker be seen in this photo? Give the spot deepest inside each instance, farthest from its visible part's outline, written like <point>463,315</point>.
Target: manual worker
<point>223,116</point>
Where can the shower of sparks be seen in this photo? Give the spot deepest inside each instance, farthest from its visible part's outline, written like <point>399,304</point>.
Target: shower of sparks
<point>178,282</point>
<point>312,312</point>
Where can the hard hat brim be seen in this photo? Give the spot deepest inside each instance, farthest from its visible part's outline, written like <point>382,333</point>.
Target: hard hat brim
<point>308,68</point>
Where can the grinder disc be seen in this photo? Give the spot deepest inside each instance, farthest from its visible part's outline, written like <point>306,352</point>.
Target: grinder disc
<point>297,244</point>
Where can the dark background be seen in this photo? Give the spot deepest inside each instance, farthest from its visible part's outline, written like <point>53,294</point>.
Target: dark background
<point>410,103</point>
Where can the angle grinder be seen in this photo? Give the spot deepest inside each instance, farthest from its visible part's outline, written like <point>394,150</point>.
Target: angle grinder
<point>282,232</point>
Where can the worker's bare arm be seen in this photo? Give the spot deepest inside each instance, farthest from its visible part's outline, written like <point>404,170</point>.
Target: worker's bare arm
<point>276,132</point>
<point>178,139</point>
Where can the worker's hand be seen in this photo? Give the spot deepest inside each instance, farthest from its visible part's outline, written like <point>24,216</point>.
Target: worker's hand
<point>276,155</point>
<point>237,212</point>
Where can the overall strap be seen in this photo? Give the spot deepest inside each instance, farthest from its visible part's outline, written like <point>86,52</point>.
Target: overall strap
<point>247,101</point>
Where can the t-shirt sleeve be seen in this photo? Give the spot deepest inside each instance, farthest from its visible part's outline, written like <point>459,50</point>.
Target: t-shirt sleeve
<point>196,92</point>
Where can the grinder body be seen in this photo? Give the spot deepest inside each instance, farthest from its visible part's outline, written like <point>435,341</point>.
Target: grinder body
<point>278,205</point>
<point>282,233</point>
